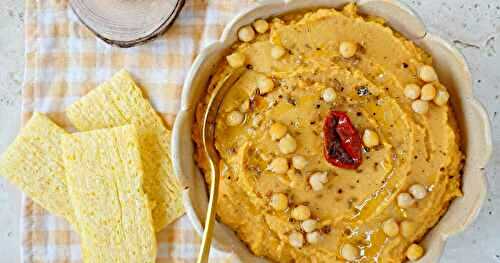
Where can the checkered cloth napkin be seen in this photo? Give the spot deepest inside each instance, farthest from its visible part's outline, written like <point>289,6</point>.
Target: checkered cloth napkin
<point>64,61</point>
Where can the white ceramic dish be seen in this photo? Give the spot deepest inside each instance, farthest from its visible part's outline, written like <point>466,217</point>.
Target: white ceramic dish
<point>453,72</point>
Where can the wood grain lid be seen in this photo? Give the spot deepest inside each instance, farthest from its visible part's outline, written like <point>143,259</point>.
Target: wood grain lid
<point>126,23</point>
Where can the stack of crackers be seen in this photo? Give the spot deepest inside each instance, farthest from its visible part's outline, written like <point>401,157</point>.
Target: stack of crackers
<point>112,180</point>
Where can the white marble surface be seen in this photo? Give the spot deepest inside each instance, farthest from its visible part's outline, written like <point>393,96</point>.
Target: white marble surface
<point>474,27</point>
<point>11,75</point>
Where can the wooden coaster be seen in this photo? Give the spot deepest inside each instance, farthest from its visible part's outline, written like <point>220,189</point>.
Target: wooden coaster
<point>126,23</point>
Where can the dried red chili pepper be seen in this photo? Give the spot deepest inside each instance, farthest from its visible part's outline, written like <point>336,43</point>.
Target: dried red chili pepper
<point>342,143</point>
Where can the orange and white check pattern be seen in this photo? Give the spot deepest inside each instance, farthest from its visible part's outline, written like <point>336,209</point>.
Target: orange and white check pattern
<point>64,61</point>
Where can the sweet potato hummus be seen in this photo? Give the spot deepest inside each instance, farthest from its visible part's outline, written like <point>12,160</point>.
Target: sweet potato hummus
<point>337,143</point>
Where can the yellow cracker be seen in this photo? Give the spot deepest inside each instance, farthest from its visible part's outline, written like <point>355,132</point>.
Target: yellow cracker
<point>34,163</point>
<point>104,176</point>
<point>118,102</point>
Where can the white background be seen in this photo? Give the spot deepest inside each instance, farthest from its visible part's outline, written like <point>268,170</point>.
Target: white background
<point>474,27</point>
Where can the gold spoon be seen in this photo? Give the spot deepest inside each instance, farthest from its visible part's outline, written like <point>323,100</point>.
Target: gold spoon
<point>208,140</point>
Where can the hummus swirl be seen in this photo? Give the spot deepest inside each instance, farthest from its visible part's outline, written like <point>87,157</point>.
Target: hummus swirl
<point>352,205</point>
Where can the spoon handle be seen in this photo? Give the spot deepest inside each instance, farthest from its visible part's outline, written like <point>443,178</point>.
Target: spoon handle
<point>210,219</point>
<point>208,138</point>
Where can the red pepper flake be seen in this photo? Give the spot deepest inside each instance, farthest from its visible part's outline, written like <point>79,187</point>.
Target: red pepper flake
<point>326,229</point>
<point>342,143</point>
